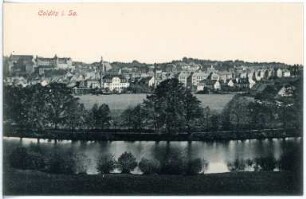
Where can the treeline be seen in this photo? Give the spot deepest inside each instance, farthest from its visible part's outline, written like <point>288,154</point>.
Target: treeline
<point>267,109</point>
<point>219,65</point>
<point>171,109</point>
<point>50,107</point>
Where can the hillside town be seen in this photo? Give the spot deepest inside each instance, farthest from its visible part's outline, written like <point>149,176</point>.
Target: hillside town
<point>102,77</point>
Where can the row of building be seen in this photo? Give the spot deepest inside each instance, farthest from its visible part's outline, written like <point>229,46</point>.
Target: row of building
<point>83,78</point>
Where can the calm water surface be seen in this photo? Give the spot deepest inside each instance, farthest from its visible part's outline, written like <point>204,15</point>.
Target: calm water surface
<point>218,154</point>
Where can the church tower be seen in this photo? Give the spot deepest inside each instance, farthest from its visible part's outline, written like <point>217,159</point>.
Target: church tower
<point>102,71</point>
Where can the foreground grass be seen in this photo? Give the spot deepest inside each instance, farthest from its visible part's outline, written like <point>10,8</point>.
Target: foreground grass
<point>17,182</point>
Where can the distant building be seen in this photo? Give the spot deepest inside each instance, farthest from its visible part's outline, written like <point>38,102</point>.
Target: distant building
<point>144,81</point>
<point>115,83</point>
<point>279,73</point>
<point>200,86</point>
<point>242,83</point>
<point>258,75</point>
<point>55,62</point>
<point>160,76</point>
<point>211,69</point>
<point>92,83</point>
<point>21,64</point>
<point>286,73</point>
<point>209,84</point>
<point>225,75</point>
<point>198,76</point>
<point>152,82</point>
<point>270,73</point>
<point>231,83</point>
<point>217,85</point>
<point>185,78</point>
<point>252,82</point>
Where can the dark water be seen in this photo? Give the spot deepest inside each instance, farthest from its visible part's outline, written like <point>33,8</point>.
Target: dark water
<point>218,154</point>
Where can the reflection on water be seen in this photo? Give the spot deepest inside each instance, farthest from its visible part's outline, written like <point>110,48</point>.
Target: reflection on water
<point>218,154</point>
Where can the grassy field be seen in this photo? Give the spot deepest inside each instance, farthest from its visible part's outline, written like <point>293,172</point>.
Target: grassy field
<point>118,103</point>
<point>17,182</point>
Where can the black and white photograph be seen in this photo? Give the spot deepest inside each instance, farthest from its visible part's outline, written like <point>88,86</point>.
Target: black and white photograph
<point>152,99</point>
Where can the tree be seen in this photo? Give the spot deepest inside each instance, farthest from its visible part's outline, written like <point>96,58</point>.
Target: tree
<point>215,119</point>
<point>127,162</point>
<point>172,107</point>
<point>133,117</point>
<point>101,116</point>
<point>57,98</point>
<point>193,110</point>
<point>76,115</point>
<point>14,107</point>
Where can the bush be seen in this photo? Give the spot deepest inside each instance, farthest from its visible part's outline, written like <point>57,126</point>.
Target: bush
<point>106,164</point>
<point>266,163</point>
<point>173,164</point>
<point>149,166</point>
<point>292,160</point>
<point>21,158</point>
<point>35,161</point>
<point>35,148</point>
<point>127,162</point>
<point>194,166</point>
<point>18,158</point>
<point>59,163</point>
<point>237,165</point>
<point>81,163</point>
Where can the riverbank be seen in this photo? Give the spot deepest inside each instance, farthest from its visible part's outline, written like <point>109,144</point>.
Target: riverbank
<point>150,135</point>
<point>19,182</point>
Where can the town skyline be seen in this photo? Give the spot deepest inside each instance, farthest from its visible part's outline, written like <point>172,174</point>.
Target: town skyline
<point>148,63</point>
<point>157,33</point>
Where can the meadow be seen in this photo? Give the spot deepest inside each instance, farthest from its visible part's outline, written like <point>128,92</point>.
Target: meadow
<point>118,103</point>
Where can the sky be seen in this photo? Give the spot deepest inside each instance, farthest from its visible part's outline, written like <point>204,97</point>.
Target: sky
<point>157,32</point>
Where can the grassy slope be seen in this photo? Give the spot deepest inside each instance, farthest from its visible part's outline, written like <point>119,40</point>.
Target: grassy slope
<point>245,183</point>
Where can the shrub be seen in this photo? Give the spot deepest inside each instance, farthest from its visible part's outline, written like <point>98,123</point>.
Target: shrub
<point>35,161</point>
<point>173,164</point>
<point>292,160</point>
<point>127,162</point>
<point>35,148</point>
<point>18,158</point>
<point>194,166</point>
<point>237,165</point>
<point>149,166</point>
<point>81,163</point>
<point>21,158</point>
<point>106,164</point>
<point>59,163</point>
<point>266,163</point>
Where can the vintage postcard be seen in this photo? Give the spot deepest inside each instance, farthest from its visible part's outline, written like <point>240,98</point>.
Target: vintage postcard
<point>152,99</point>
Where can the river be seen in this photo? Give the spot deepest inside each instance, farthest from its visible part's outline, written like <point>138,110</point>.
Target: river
<point>216,153</point>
